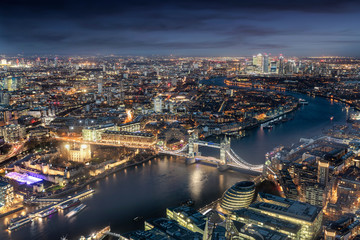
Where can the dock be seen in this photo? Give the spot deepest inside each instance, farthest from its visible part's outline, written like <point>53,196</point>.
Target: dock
<point>55,204</point>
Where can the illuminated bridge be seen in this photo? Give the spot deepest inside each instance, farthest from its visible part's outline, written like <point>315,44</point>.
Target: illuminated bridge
<point>228,158</point>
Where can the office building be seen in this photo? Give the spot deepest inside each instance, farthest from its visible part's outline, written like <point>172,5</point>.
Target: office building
<point>309,217</point>
<point>238,196</point>
<point>265,66</point>
<point>314,193</point>
<point>241,231</point>
<point>188,218</point>
<point>6,194</point>
<point>94,133</point>
<point>128,138</point>
<point>251,217</point>
<point>12,133</point>
<point>158,105</point>
<point>172,229</point>
<point>323,172</point>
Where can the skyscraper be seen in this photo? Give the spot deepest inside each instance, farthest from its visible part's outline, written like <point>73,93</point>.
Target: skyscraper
<point>323,172</point>
<point>281,65</point>
<point>158,105</point>
<point>266,64</point>
<point>100,86</point>
<point>258,61</point>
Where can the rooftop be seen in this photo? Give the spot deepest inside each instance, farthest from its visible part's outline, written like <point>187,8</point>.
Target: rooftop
<point>267,220</point>
<point>284,206</point>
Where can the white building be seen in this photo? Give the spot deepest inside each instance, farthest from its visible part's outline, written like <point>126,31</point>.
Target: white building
<point>158,105</point>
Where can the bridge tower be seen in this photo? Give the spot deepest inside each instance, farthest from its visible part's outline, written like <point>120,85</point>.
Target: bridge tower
<point>193,148</point>
<point>224,147</point>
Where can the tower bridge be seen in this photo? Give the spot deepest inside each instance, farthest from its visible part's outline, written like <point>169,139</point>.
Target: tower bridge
<point>228,158</point>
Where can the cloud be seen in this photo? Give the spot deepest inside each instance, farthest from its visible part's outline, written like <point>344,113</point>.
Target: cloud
<point>160,26</point>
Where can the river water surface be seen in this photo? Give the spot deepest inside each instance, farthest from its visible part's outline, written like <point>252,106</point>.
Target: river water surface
<point>147,190</point>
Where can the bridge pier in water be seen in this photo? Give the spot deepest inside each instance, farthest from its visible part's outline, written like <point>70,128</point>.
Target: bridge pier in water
<point>224,147</point>
<point>193,150</point>
<point>228,158</point>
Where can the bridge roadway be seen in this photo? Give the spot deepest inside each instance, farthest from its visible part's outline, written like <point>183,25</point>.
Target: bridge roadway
<point>235,160</point>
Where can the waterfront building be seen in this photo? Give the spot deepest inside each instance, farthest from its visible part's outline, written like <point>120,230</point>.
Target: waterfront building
<point>309,217</point>
<point>188,218</point>
<point>139,139</point>
<point>251,217</point>
<point>238,196</point>
<point>6,194</point>
<point>172,229</point>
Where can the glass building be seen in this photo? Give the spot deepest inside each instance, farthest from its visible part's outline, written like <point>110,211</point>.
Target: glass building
<point>238,196</point>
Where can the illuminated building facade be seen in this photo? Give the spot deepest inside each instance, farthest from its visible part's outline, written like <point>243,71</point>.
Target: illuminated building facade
<point>129,138</point>
<point>323,172</point>
<point>129,127</point>
<point>6,194</point>
<point>346,227</point>
<point>188,218</point>
<point>80,153</point>
<point>94,133</point>
<point>252,217</point>
<point>158,105</point>
<point>238,196</point>
<point>12,133</point>
<point>314,193</point>
<point>309,217</point>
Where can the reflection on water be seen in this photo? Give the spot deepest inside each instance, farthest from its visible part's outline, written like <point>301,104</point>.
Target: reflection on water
<point>196,181</point>
<point>146,190</point>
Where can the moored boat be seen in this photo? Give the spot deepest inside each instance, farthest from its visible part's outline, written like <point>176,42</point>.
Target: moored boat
<point>19,223</point>
<point>69,204</point>
<point>48,212</point>
<point>76,210</point>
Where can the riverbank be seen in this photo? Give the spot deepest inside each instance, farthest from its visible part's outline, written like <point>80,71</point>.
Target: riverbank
<point>99,177</point>
<point>333,97</point>
<point>11,212</point>
<point>254,125</point>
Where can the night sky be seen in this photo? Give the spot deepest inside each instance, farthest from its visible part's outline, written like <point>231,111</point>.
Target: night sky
<point>183,27</point>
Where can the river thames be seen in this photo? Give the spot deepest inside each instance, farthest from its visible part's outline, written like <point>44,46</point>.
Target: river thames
<point>147,190</point>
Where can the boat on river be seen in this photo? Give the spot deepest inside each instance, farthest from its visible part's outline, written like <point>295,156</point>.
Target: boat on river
<point>76,210</point>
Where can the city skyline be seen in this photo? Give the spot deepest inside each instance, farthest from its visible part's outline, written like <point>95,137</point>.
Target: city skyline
<point>187,28</point>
